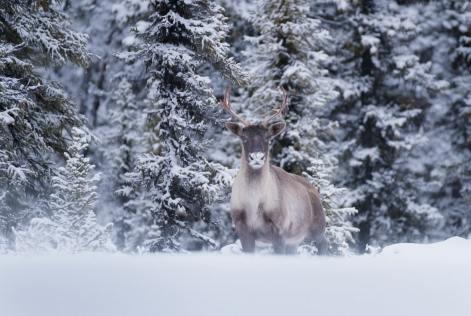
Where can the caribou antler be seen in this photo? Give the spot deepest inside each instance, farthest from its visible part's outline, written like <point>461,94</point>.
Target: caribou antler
<point>282,107</point>
<point>226,103</point>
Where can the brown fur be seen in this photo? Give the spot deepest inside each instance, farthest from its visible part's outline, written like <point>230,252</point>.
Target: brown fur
<point>269,204</point>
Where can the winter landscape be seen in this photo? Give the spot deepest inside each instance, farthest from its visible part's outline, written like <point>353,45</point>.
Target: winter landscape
<point>117,169</point>
<point>405,279</point>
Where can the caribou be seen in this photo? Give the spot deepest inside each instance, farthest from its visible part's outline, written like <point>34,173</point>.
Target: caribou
<point>268,203</point>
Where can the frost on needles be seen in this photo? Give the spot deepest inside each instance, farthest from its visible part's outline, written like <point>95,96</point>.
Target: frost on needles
<point>72,227</point>
<point>34,111</point>
<point>388,82</point>
<point>178,38</point>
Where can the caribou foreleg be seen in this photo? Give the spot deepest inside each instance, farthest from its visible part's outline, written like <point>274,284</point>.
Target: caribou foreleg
<point>321,245</point>
<point>291,249</point>
<point>247,238</point>
<point>248,242</point>
<point>279,245</point>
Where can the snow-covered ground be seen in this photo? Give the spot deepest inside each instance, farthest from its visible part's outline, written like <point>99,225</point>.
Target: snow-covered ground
<point>404,279</point>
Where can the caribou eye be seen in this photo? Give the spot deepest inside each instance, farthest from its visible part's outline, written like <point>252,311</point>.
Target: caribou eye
<point>244,139</point>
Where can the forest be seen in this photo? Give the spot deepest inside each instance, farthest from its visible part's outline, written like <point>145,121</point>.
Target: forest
<point>113,139</point>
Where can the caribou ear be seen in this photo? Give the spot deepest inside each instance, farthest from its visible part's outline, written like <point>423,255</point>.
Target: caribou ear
<point>276,129</point>
<point>234,128</point>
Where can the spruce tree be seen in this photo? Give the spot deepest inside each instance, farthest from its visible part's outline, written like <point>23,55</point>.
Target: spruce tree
<point>177,39</point>
<point>289,51</point>
<point>34,112</point>
<point>73,227</point>
<point>107,23</point>
<point>385,83</point>
<point>123,141</point>
<point>445,163</point>
<point>100,94</point>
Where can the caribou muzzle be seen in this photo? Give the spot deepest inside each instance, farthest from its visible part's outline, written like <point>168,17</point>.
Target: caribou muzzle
<point>256,160</point>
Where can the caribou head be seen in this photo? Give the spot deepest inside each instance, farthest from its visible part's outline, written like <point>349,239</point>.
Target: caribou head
<point>255,138</point>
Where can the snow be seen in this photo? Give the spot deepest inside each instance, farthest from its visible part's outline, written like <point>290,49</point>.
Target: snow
<point>404,279</point>
<point>364,153</point>
<point>6,117</point>
<point>371,42</point>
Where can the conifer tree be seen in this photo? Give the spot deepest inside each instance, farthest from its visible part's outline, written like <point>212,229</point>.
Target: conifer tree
<point>72,227</point>
<point>107,23</point>
<point>98,92</point>
<point>34,112</point>
<point>177,39</point>
<point>123,141</point>
<point>445,162</point>
<point>386,83</point>
<point>288,51</point>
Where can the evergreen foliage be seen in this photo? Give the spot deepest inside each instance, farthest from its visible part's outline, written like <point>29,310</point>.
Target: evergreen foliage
<point>72,227</point>
<point>101,95</point>
<point>401,68</point>
<point>288,51</point>
<point>385,84</point>
<point>123,142</point>
<point>445,162</point>
<point>176,40</point>
<point>107,23</point>
<point>34,111</point>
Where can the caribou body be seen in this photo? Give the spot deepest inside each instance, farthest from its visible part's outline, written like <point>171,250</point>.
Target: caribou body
<point>268,203</point>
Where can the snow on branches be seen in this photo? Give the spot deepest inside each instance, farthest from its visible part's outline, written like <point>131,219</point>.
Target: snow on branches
<point>177,39</point>
<point>33,111</point>
<point>73,227</point>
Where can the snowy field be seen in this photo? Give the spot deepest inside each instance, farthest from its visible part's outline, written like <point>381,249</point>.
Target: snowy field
<point>404,279</point>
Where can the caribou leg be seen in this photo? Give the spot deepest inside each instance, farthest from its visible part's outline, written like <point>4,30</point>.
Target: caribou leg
<point>291,249</point>
<point>247,241</point>
<point>321,244</point>
<point>279,245</point>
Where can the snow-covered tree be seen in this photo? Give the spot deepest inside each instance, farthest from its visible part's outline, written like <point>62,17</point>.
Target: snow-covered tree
<point>178,37</point>
<point>289,51</point>
<point>386,81</point>
<point>72,227</point>
<point>123,141</point>
<point>124,135</point>
<point>96,92</point>
<point>34,111</point>
<point>107,23</point>
<point>445,163</point>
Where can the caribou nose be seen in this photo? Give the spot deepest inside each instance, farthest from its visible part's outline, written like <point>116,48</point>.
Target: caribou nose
<point>257,156</point>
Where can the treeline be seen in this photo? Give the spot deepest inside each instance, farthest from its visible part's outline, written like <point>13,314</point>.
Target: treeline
<point>378,121</point>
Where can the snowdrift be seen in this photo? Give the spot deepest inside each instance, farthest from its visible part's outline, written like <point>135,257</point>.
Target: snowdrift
<point>404,279</point>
